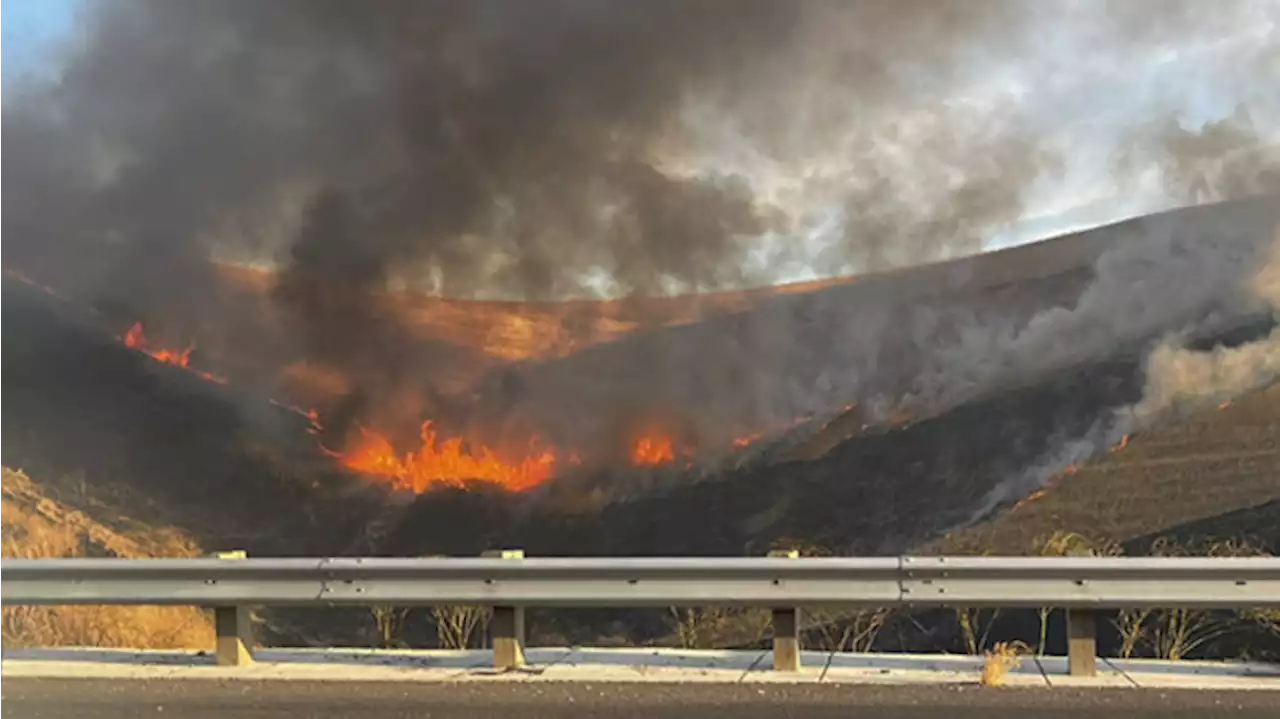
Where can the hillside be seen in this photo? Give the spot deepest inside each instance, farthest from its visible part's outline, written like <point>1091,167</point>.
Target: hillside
<point>220,461</point>
<point>1215,473</point>
<point>915,342</point>
<point>987,420</point>
<point>72,518</point>
<point>1032,378</point>
<point>145,445</point>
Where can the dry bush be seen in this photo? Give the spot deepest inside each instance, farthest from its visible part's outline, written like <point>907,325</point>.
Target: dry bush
<point>1177,633</point>
<point>1003,658</point>
<point>975,627</point>
<point>457,624</point>
<point>1131,625</point>
<point>33,526</point>
<point>842,630</point>
<point>387,623</point>
<point>718,627</point>
<point>838,629</point>
<point>1068,544</point>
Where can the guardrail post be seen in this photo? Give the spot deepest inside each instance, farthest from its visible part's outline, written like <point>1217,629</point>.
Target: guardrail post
<point>786,630</point>
<point>507,625</point>
<point>233,627</point>
<point>1082,643</point>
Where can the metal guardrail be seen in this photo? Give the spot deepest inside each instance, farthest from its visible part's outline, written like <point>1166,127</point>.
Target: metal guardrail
<point>509,583</point>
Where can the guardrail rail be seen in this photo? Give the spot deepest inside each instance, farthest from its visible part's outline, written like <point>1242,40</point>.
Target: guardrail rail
<point>230,584</point>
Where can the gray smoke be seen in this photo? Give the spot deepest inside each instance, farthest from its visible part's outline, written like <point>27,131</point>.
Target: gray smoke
<point>496,146</point>
<point>530,149</point>
<point>923,341</point>
<point>1223,159</point>
<point>1179,378</point>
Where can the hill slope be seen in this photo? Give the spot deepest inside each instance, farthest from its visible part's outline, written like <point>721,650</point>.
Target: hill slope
<point>218,460</point>
<point>41,520</point>
<point>920,341</point>
<point>1175,479</point>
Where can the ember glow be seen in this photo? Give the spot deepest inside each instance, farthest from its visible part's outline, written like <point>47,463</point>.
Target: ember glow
<point>652,449</point>
<point>442,461</point>
<point>136,339</point>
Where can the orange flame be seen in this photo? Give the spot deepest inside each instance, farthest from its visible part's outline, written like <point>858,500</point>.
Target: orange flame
<point>136,339</point>
<point>652,448</point>
<point>1124,442</point>
<point>1031,497</point>
<point>442,462</point>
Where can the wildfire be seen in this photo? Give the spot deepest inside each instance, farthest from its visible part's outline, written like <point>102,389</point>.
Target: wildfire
<point>1031,497</point>
<point>440,461</point>
<point>136,339</point>
<point>651,449</point>
<point>1124,442</point>
<point>1053,481</point>
<point>311,415</point>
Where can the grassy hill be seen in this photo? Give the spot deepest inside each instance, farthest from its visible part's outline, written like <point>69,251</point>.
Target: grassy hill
<point>75,519</point>
<point>1214,473</point>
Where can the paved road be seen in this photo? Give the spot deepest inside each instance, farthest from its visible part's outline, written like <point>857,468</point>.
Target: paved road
<point>200,699</point>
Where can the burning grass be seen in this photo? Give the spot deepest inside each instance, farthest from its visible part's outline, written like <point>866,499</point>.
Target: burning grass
<point>38,526</point>
<point>442,461</point>
<point>136,339</point>
<point>651,449</point>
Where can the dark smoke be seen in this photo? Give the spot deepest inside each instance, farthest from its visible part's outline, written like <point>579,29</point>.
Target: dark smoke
<point>486,147</point>
<point>494,147</point>
<point>536,150</point>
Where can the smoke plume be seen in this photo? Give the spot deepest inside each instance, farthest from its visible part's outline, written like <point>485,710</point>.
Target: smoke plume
<point>577,147</point>
<point>1178,378</point>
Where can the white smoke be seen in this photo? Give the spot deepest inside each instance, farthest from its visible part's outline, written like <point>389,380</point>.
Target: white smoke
<point>1180,379</point>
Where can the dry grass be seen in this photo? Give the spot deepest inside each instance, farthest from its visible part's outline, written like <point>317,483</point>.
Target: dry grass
<point>37,526</point>
<point>1001,659</point>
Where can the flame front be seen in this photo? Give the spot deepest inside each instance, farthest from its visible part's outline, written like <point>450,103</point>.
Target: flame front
<point>651,449</point>
<point>136,339</point>
<point>442,462</point>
